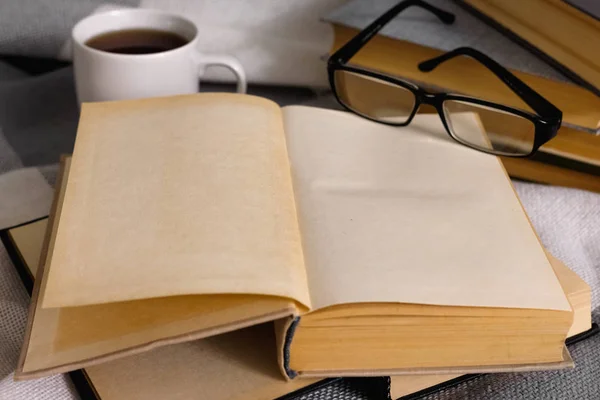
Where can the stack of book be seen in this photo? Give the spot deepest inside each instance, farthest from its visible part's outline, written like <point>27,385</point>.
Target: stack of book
<point>201,240</point>
<point>573,49</point>
<point>563,67</point>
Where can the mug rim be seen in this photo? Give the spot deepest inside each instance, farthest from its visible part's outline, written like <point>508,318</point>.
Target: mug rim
<point>115,13</point>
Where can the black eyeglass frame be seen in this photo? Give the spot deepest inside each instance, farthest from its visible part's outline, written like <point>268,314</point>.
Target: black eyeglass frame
<point>547,121</point>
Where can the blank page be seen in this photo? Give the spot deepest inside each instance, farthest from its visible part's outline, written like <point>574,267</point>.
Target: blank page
<point>407,215</point>
<point>174,196</point>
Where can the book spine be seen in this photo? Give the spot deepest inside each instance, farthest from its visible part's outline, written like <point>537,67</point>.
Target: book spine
<point>563,69</point>
<point>289,335</point>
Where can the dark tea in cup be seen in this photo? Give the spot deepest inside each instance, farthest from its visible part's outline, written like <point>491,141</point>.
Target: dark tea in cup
<point>136,41</point>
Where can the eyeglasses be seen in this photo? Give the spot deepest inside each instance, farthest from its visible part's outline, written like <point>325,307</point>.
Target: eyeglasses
<point>508,131</point>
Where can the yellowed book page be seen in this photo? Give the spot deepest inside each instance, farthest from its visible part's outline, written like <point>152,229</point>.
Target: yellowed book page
<point>175,196</point>
<point>407,215</point>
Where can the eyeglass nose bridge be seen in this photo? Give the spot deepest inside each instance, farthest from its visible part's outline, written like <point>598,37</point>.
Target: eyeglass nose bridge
<point>432,99</point>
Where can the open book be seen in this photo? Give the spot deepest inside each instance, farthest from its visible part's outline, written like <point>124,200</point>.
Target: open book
<point>246,356</point>
<point>385,250</point>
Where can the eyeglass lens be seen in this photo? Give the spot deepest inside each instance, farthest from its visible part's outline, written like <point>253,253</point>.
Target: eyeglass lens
<point>502,132</point>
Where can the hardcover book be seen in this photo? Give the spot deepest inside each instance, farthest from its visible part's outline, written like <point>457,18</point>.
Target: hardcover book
<point>573,49</point>
<point>377,250</point>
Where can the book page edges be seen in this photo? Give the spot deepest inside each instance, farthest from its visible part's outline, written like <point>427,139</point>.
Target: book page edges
<point>566,363</point>
<point>65,162</point>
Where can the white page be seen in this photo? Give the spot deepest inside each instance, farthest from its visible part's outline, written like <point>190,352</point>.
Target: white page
<point>407,215</point>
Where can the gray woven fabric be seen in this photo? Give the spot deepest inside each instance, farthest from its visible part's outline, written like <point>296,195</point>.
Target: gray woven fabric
<point>31,139</point>
<point>343,390</point>
<point>417,25</point>
<point>42,28</point>
<point>13,316</point>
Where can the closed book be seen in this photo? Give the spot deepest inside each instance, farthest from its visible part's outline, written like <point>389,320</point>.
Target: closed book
<point>572,158</point>
<point>573,48</point>
<point>377,250</point>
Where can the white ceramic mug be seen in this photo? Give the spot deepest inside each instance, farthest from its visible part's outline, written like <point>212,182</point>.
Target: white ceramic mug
<point>102,76</point>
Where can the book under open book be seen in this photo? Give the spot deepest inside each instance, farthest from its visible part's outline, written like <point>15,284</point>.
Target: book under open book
<point>380,250</point>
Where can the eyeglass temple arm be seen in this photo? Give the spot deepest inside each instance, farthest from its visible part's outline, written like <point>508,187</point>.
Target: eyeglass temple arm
<point>347,51</point>
<point>539,104</point>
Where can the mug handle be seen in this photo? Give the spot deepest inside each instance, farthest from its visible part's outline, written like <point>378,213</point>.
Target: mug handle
<point>228,62</point>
